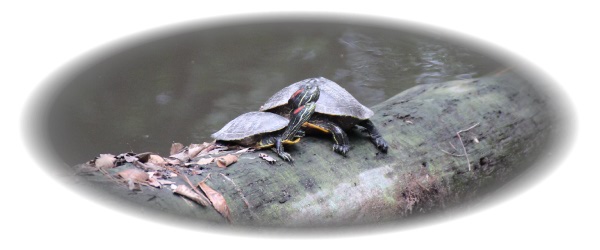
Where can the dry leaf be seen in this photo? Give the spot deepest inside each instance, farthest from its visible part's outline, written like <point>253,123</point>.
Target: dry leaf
<point>156,160</point>
<point>175,148</point>
<point>147,166</point>
<point>143,157</point>
<point>196,171</point>
<point>195,149</point>
<point>207,148</point>
<point>217,149</point>
<point>153,166</point>
<point>133,186</point>
<point>105,161</point>
<point>267,158</point>
<point>204,161</point>
<point>244,150</point>
<point>188,152</point>
<point>173,161</point>
<point>182,156</point>
<point>165,182</point>
<point>187,192</point>
<point>135,175</point>
<point>225,161</point>
<point>217,200</point>
<point>152,181</point>
<point>130,158</point>
<point>85,168</point>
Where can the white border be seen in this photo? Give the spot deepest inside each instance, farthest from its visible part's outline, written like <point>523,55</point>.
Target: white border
<point>560,211</point>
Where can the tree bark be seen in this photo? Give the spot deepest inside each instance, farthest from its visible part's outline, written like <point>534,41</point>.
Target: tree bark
<point>449,143</point>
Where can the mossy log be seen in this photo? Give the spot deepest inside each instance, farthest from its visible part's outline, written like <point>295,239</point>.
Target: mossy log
<point>448,143</point>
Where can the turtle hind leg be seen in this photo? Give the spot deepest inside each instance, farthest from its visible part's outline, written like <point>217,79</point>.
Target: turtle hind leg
<point>341,143</point>
<point>374,135</point>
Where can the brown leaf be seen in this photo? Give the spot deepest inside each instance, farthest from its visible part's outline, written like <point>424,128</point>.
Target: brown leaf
<point>175,148</point>
<point>173,161</point>
<point>85,168</point>
<point>188,152</point>
<point>209,147</point>
<point>196,171</point>
<point>217,149</point>
<point>204,161</point>
<point>225,161</point>
<point>146,166</point>
<point>133,186</point>
<point>156,160</point>
<point>182,156</point>
<point>143,157</point>
<point>135,175</point>
<point>244,150</point>
<point>267,158</point>
<point>105,161</point>
<point>152,181</point>
<point>195,149</point>
<point>165,182</point>
<point>130,158</point>
<point>187,192</point>
<point>217,200</point>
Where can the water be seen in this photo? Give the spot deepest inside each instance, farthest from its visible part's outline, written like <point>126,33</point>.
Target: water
<point>184,87</point>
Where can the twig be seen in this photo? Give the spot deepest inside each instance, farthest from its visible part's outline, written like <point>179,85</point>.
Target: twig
<point>237,189</point>
<point>463,145</point>
<point>451,153</point>
<point>449,142</point>
<point>103,171</point>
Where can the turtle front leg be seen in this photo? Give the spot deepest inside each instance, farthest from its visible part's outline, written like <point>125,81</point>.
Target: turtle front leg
<point>341,143</point>
<point>298,117</point>
<point>275,143</point>
<point>278,148</point>
<point>374,135</point>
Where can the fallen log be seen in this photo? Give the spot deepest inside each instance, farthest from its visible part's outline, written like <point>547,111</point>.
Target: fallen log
<point>449,143</point>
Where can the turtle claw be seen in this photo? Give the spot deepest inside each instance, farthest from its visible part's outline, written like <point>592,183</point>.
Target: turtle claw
<point>286,157</point>
<point>381,144</point>
<point>341,149</point>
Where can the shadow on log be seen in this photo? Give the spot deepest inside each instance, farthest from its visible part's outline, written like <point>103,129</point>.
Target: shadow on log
<point>450,143</point>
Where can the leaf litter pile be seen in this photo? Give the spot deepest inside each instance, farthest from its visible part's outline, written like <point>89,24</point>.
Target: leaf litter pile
<point>171,173</point>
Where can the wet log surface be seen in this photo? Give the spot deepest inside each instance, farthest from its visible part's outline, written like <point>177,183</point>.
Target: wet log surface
<point>449,143</point>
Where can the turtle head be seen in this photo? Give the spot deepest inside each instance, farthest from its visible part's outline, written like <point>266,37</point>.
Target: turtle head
<point>308,92</point>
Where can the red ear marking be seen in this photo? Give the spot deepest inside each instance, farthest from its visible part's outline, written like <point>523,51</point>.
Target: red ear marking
<point>297,93</point>
<point>296,111</point>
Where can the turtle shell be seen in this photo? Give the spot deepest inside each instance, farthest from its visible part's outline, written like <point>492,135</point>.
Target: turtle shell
<point>250,124</point>
<point>333,100</point>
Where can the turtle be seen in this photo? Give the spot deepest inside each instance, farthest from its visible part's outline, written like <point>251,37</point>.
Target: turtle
<point>337,111</point>
<point>268,130</point>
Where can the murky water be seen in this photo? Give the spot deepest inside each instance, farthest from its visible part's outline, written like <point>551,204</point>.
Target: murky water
<point>183,87</point>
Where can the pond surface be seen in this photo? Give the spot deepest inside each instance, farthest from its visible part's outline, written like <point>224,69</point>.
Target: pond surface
<point>183,87</point>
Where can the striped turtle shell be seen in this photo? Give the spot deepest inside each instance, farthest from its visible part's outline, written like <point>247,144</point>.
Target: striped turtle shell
<point>250,124</point>
<point>333,100</point>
